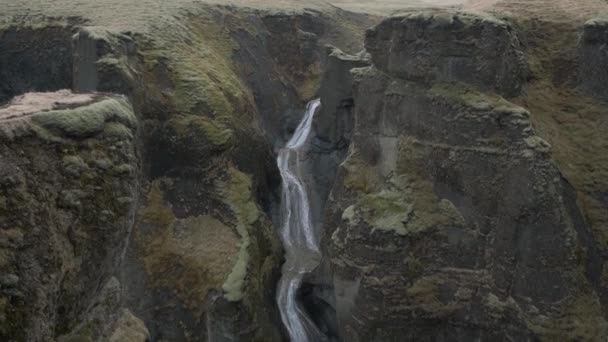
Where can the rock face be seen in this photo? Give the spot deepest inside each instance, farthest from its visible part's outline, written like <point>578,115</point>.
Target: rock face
<point>438,46</point>
<point>28,53</point>
<point>68,192</point>
<point>449,219</point>
<point>593,58</point>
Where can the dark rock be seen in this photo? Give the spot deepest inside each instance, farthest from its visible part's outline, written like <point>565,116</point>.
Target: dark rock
<point>448,219</point>
<point>439,45</point>
<point>51,232</point>
<point>593,58</point>
<point>34,59</point>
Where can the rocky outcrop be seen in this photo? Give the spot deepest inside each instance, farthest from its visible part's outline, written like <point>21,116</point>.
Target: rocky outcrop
<point>103,60</point>
<point>449,219</point>
<point>593,58</point>
<point>434,46</point>
<point>35,58</point>
<point>68,197</point>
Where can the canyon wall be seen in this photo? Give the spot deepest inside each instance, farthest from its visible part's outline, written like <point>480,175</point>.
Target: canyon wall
<point>449,218</point>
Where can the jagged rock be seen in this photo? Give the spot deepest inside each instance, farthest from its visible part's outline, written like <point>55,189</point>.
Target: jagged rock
<point>334,122</point>
<point>435,46</point>
<point>449,219</point>
<point>52,243</point>
<point>593,58</point>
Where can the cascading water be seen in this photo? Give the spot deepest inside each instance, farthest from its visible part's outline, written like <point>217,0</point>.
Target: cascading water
<point>298,233</point>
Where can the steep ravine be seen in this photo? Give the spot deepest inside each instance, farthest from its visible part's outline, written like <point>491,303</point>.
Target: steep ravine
<point>211,98</point>
<point>455,175</point>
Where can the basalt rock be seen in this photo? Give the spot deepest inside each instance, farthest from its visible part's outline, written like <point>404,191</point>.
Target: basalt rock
<point>593,58</point>
<point>449,220</point>
<point>28,53</point>
<point>437,46</point>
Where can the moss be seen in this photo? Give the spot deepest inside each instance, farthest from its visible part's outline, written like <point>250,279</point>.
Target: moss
<point>468,96</point>
<point>237,194</point>
<point>189,256</point>
<point>413,268</point>
<point>446,17</point>
<point>404,204</point>
<point>87,120</point>
<point>116,130</point>
<point>580,319</point>
<point>156,211</point>
<point>205,81</point>
<point>572,123</point>
<point>360,176</point>
<point>204,129</point>
<point>387,210</point>
<point>425,295</point>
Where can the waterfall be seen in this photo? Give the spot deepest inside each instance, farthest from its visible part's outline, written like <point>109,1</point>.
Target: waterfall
<point>298,234</point>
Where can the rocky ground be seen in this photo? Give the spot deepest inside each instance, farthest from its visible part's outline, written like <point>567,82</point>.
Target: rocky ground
<point>463,161</point>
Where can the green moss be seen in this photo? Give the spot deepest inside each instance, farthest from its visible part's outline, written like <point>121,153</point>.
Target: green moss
<point>212,133</point>
<point>413,267</point>
<point>468,96</point>
<point>580,319</point>
<point>237,194</point>
<point>387,210</point>
<point>404,204</point>
<point>116,130</point>
<point>156,211</point>
<point>360,176</point>
<point>425,294</point>
<point>190,256</point>
<point>86,120</point>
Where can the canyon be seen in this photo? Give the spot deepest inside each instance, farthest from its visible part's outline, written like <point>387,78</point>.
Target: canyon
<point>351,170</point>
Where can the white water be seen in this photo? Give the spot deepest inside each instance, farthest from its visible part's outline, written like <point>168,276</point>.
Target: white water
<point>298,234</point>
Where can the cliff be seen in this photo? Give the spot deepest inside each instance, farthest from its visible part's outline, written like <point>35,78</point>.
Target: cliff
<point>451,217</point>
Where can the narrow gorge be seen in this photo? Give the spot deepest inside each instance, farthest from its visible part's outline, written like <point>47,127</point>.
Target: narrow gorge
<point>306,171</point>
